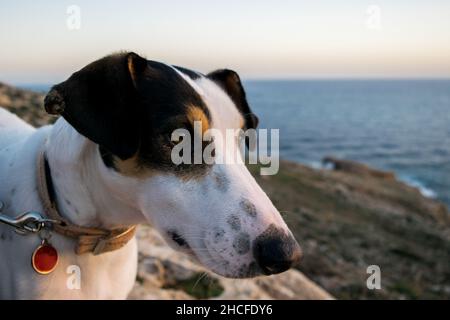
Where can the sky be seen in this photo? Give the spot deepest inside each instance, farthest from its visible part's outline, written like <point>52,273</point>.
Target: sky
<point>44,41</point>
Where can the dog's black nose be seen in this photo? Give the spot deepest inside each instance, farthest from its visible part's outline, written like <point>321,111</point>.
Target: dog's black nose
<point>275,251</point>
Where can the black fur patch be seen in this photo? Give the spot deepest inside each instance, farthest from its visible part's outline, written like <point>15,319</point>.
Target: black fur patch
<point>234,222</point>
<point>129,106</point>
<point>222,182</point>
<point>242,243</point>
<point>107,157</point>
<point>218,235</point>
<point>101,103</point>
<point>248,207</point>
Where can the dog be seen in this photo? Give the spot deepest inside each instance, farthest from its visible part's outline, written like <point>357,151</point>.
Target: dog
<point>108,161</point>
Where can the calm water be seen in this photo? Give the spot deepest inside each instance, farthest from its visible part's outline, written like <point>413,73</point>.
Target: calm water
<point>397,125</point>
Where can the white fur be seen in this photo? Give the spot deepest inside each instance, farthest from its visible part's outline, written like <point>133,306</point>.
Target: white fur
<point>90,194</point>
<point>110,275</point>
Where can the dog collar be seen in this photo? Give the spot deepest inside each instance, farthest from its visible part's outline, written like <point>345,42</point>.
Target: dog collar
<point>94,240</point>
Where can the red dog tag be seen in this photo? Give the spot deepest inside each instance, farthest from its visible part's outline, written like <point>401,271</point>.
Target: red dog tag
<point>45,258</point>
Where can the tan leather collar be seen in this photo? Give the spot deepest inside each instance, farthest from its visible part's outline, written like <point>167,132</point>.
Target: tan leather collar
<point>94,240</point>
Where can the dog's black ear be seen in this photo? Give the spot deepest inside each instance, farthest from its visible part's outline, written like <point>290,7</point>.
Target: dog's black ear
<point>102,103</point>
<point>231,83</point>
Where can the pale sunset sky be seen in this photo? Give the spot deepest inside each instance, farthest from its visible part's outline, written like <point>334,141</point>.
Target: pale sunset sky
<point>259,39</point>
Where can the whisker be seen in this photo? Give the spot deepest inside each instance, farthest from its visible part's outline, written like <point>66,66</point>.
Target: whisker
<point>205,274</point>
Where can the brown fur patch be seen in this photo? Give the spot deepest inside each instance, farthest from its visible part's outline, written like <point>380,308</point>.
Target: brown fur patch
<point>197,114</point>
<point>241,122</point>
<point>131,69</point>
<point>135,168</point>
<point>131,167</point>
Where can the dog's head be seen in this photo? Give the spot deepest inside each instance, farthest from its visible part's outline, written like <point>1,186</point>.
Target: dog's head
<point>129,107</point>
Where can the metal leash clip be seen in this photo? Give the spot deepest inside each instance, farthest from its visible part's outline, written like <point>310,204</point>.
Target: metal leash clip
<point>28,222</point>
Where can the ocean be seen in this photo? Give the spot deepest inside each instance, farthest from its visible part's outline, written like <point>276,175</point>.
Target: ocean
<point>397,125</point>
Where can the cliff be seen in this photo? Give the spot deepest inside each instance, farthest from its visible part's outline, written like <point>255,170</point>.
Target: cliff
<point>347,219</point>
